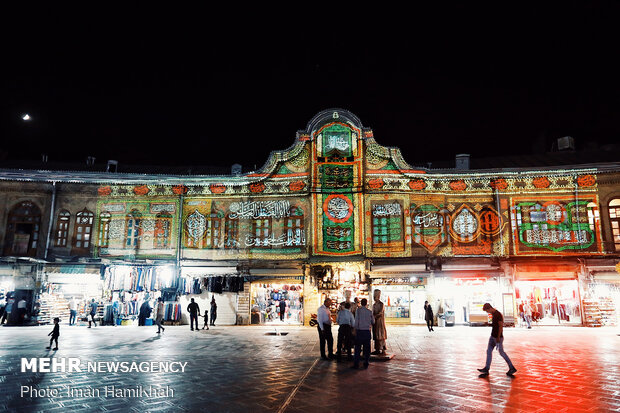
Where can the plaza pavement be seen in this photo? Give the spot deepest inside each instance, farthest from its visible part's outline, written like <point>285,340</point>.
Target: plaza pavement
<point>241,369</point>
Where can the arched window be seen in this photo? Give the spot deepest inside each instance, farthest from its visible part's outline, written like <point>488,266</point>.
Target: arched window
<point>82,233</point>
<point>231,238</point>
<point>614,218</point>
<point>104,229</point>
<point>132,229</point>
<point>163,225</point>
<point>62,228</point>
<point>22,232</point>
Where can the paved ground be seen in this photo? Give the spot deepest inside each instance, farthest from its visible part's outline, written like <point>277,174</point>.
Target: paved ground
<point>240,369</point>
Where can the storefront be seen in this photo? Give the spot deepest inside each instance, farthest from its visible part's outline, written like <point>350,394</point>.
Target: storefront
<point>266,296</point>
<point>203,283</point>
<point>129,286</point>
<point>403,299</point>
<point>64,282</point>
<point>458,297</point>
<point>341,282</point>
<point>601,297</point>
<point>551,290</point>
<point>269,288</point>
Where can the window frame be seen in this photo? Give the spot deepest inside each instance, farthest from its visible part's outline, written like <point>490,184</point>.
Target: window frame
<point>61,234</point>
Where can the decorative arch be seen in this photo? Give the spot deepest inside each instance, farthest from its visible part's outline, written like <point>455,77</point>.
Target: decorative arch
<point>22,231</point>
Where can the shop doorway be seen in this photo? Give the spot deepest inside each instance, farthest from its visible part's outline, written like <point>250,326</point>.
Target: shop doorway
<point>553,302</point>
<point>266,299</point>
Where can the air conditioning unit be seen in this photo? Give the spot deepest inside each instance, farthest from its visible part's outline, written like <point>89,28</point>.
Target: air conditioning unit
<point>566,143</point>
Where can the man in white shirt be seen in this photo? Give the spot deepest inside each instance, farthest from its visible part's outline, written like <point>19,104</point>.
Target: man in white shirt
<point>363,325</point>
<point>324,319</point>
<point>345,322</point>
<point>21,310</point>
<point>72,311</point>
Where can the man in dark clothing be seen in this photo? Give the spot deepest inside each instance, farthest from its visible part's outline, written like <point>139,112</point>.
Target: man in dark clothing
<point>145,312</point>
<point>213,311</point>
<point>429,316</point>
<point>93,312</point>
<point>193,311</point>
<point>282,309</point>
<point>496,340</point>
<point>55,333</point>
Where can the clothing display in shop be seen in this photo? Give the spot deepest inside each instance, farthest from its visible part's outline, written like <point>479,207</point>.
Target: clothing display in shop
<point>189,286</point>
<point>221,284</point>
<point>172,311</point>
<point>269,299</point>
<point>136,278</point>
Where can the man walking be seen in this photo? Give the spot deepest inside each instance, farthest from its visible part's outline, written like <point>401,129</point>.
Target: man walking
<point>496,340</point>
<point>72,311</point>
<point>363,326</point>
<point>159,315</point>
<point>527,311</point>
<point>324,319</point>
<point>93,312</point>
<point>193,309</point>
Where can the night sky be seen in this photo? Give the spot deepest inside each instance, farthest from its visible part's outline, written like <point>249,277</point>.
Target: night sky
<point>184,85</point>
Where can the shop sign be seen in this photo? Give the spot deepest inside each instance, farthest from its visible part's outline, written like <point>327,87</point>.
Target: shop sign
<point>413,282</point>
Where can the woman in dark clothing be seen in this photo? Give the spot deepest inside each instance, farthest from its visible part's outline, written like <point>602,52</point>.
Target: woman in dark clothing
<point>428,315</point>
<point>213,311</point>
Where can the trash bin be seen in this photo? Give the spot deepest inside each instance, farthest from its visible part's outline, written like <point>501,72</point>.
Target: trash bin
<point>441,320</point>
<point>449,318</point>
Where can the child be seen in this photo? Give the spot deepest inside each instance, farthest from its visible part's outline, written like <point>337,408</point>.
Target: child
<point>55,334</point>
<point>206,320</point>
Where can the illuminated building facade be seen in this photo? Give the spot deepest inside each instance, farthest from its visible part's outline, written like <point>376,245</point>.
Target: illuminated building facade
<point>337,215</point>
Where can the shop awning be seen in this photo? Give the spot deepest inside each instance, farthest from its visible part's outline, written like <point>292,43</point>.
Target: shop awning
<point>208,271</point>
<point>276,272</point>
<point>405,268</point>
<point>72,269</point>
<point>546,272</point>
<point>6,270</point>
<point>80,279</point>
<point>608,276</point>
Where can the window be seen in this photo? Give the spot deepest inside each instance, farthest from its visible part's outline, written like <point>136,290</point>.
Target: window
<point>261,231</point>
<point>83,229</point>
<point>22,233</point>
<point>203,231</point>
<point>387,225</point>
<point>132,229</point>
<point>614,218</point>
<point>294,227</point>
<point>163,225</point>
<point>212,233</point>
<point>593,216</point>
<point>62,228</point>
<point>104,229</point>
<point>231,239</point>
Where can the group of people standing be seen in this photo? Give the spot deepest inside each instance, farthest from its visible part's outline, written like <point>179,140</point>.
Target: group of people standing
<point>8,306</point>
<point>357,324</point>
<point>358,321</point>
<point>194,310</point>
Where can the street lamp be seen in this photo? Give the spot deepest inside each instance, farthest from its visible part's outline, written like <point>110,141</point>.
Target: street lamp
<point>26,117</point>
